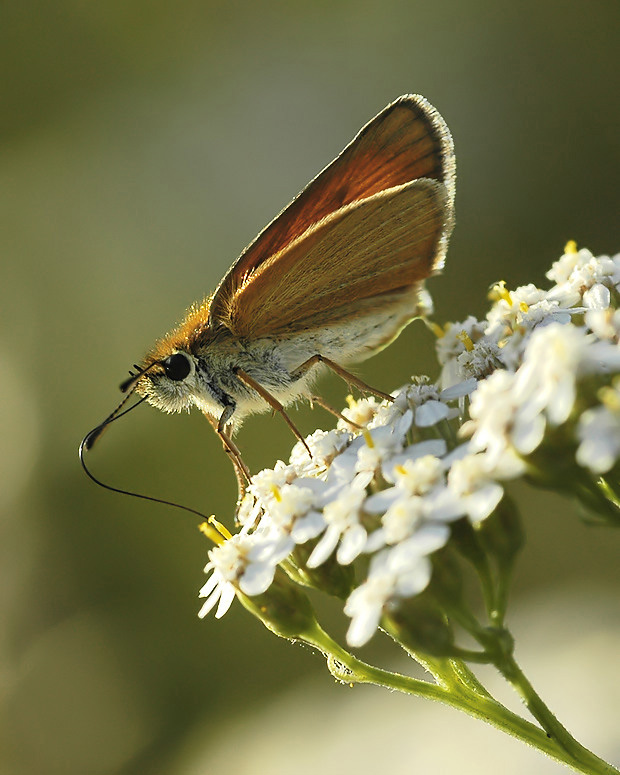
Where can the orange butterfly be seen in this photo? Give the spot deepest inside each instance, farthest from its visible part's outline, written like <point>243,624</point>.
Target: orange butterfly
<point>332,279</point>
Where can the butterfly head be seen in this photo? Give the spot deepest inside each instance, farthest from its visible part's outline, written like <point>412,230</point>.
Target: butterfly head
<point>167,382</point>
<point>168,377</point>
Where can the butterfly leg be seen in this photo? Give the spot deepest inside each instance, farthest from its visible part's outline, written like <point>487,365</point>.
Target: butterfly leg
<point>318,400</point>
<point>272,401</point>
<point>223,430</point>
<point>349,378</point>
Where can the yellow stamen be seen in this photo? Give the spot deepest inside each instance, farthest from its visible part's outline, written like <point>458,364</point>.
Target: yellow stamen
<point>400,469</point>
<point>436,329</point>
<point>466,339</point>
<point>218,533</point>
<point>570,247</point>
<point>499,291</point>
<point>275,491</point>
<point>350,401</point>
<point>368,438</point>
<point>524,306</point>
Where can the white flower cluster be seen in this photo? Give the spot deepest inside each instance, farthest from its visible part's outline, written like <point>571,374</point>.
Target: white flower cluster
<point>384,497</point>
<point>542,358</point>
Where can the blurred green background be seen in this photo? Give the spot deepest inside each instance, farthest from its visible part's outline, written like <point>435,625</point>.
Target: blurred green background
<point>143,145</point>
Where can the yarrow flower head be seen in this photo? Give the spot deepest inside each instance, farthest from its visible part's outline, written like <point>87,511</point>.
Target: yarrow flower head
<point>399,483</point>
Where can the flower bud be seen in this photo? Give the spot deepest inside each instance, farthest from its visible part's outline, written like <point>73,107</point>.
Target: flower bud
<point>329,577</point>
<point>466,540</point>
<point>418,624</point>
<point>501,533</point>
<point>283,608</point>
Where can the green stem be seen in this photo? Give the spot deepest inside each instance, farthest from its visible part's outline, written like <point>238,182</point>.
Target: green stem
<point>509,668</point>
<point>465,696</point>
<point>608,491</point>
<point>501,594</point>
<point>597,496</point>
<point>465,676</point>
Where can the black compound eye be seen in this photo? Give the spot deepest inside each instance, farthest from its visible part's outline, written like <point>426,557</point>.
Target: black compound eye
<point>177,366</point>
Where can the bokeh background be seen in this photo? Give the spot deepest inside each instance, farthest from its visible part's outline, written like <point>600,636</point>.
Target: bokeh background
<point>143,145</point>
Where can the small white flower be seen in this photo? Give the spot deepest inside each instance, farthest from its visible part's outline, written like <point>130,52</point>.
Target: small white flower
<point>367,452</point>
<point>511,308</point>
<point>430,404</point>
<point>516,314</point>
<point>408,518</point>
<point>604,323</point>
<point>419,497</point>
<point>562,269</point>
<point>419,476</point>
<point>435,447</point>
<point>360,412</point>
<point>420,391</point>
<point>238,563</point>
<point>473,481</point>
<point>324,447</point>
<point>293,515</point>
<point>342,516</point>
<point>395,573</point>
<point>599,433</point>
<point>496,425</point>
<point>581,277</point>
<point>453,344</point>
<point>401,520</point>
<point>556,356</point>
<point>262,484</point>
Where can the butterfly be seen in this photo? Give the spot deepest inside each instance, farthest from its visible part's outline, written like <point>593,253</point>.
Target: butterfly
<point>330,281</point>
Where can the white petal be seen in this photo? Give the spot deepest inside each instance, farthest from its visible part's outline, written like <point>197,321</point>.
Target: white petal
<point>598,452</point>
<point>213,598</point>
<point>526,436</point>
<point>375,541</point>
<point>560,408</point>
<point>424,541</point>
<point>324,548</point>
<point>379,502</point>
<point>597,297</point>
<point>430,413</point>
<point>352,545</point>
<point>464,388</point>
<point>273,551</point>
<point>443,505</point>
<point>308,527</point>
<point>482,502</point>
<point>210,584</point>
<point>228,595</point>
<point>363,626</point>
<point>436,447</point>
<point>458,453</point>
<point>404,423</point>
<point>416,579</point>
<point>257,578</point>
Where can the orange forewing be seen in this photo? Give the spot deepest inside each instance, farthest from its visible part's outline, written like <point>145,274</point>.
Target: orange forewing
<point>382,244</point>
<point>406,141</point>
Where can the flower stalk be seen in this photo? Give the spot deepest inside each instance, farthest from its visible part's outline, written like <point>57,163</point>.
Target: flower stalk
<point>457,688</point>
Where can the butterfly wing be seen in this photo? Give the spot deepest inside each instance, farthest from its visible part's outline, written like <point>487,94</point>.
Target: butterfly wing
<point>352,260</point>
<point>408,140</point>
